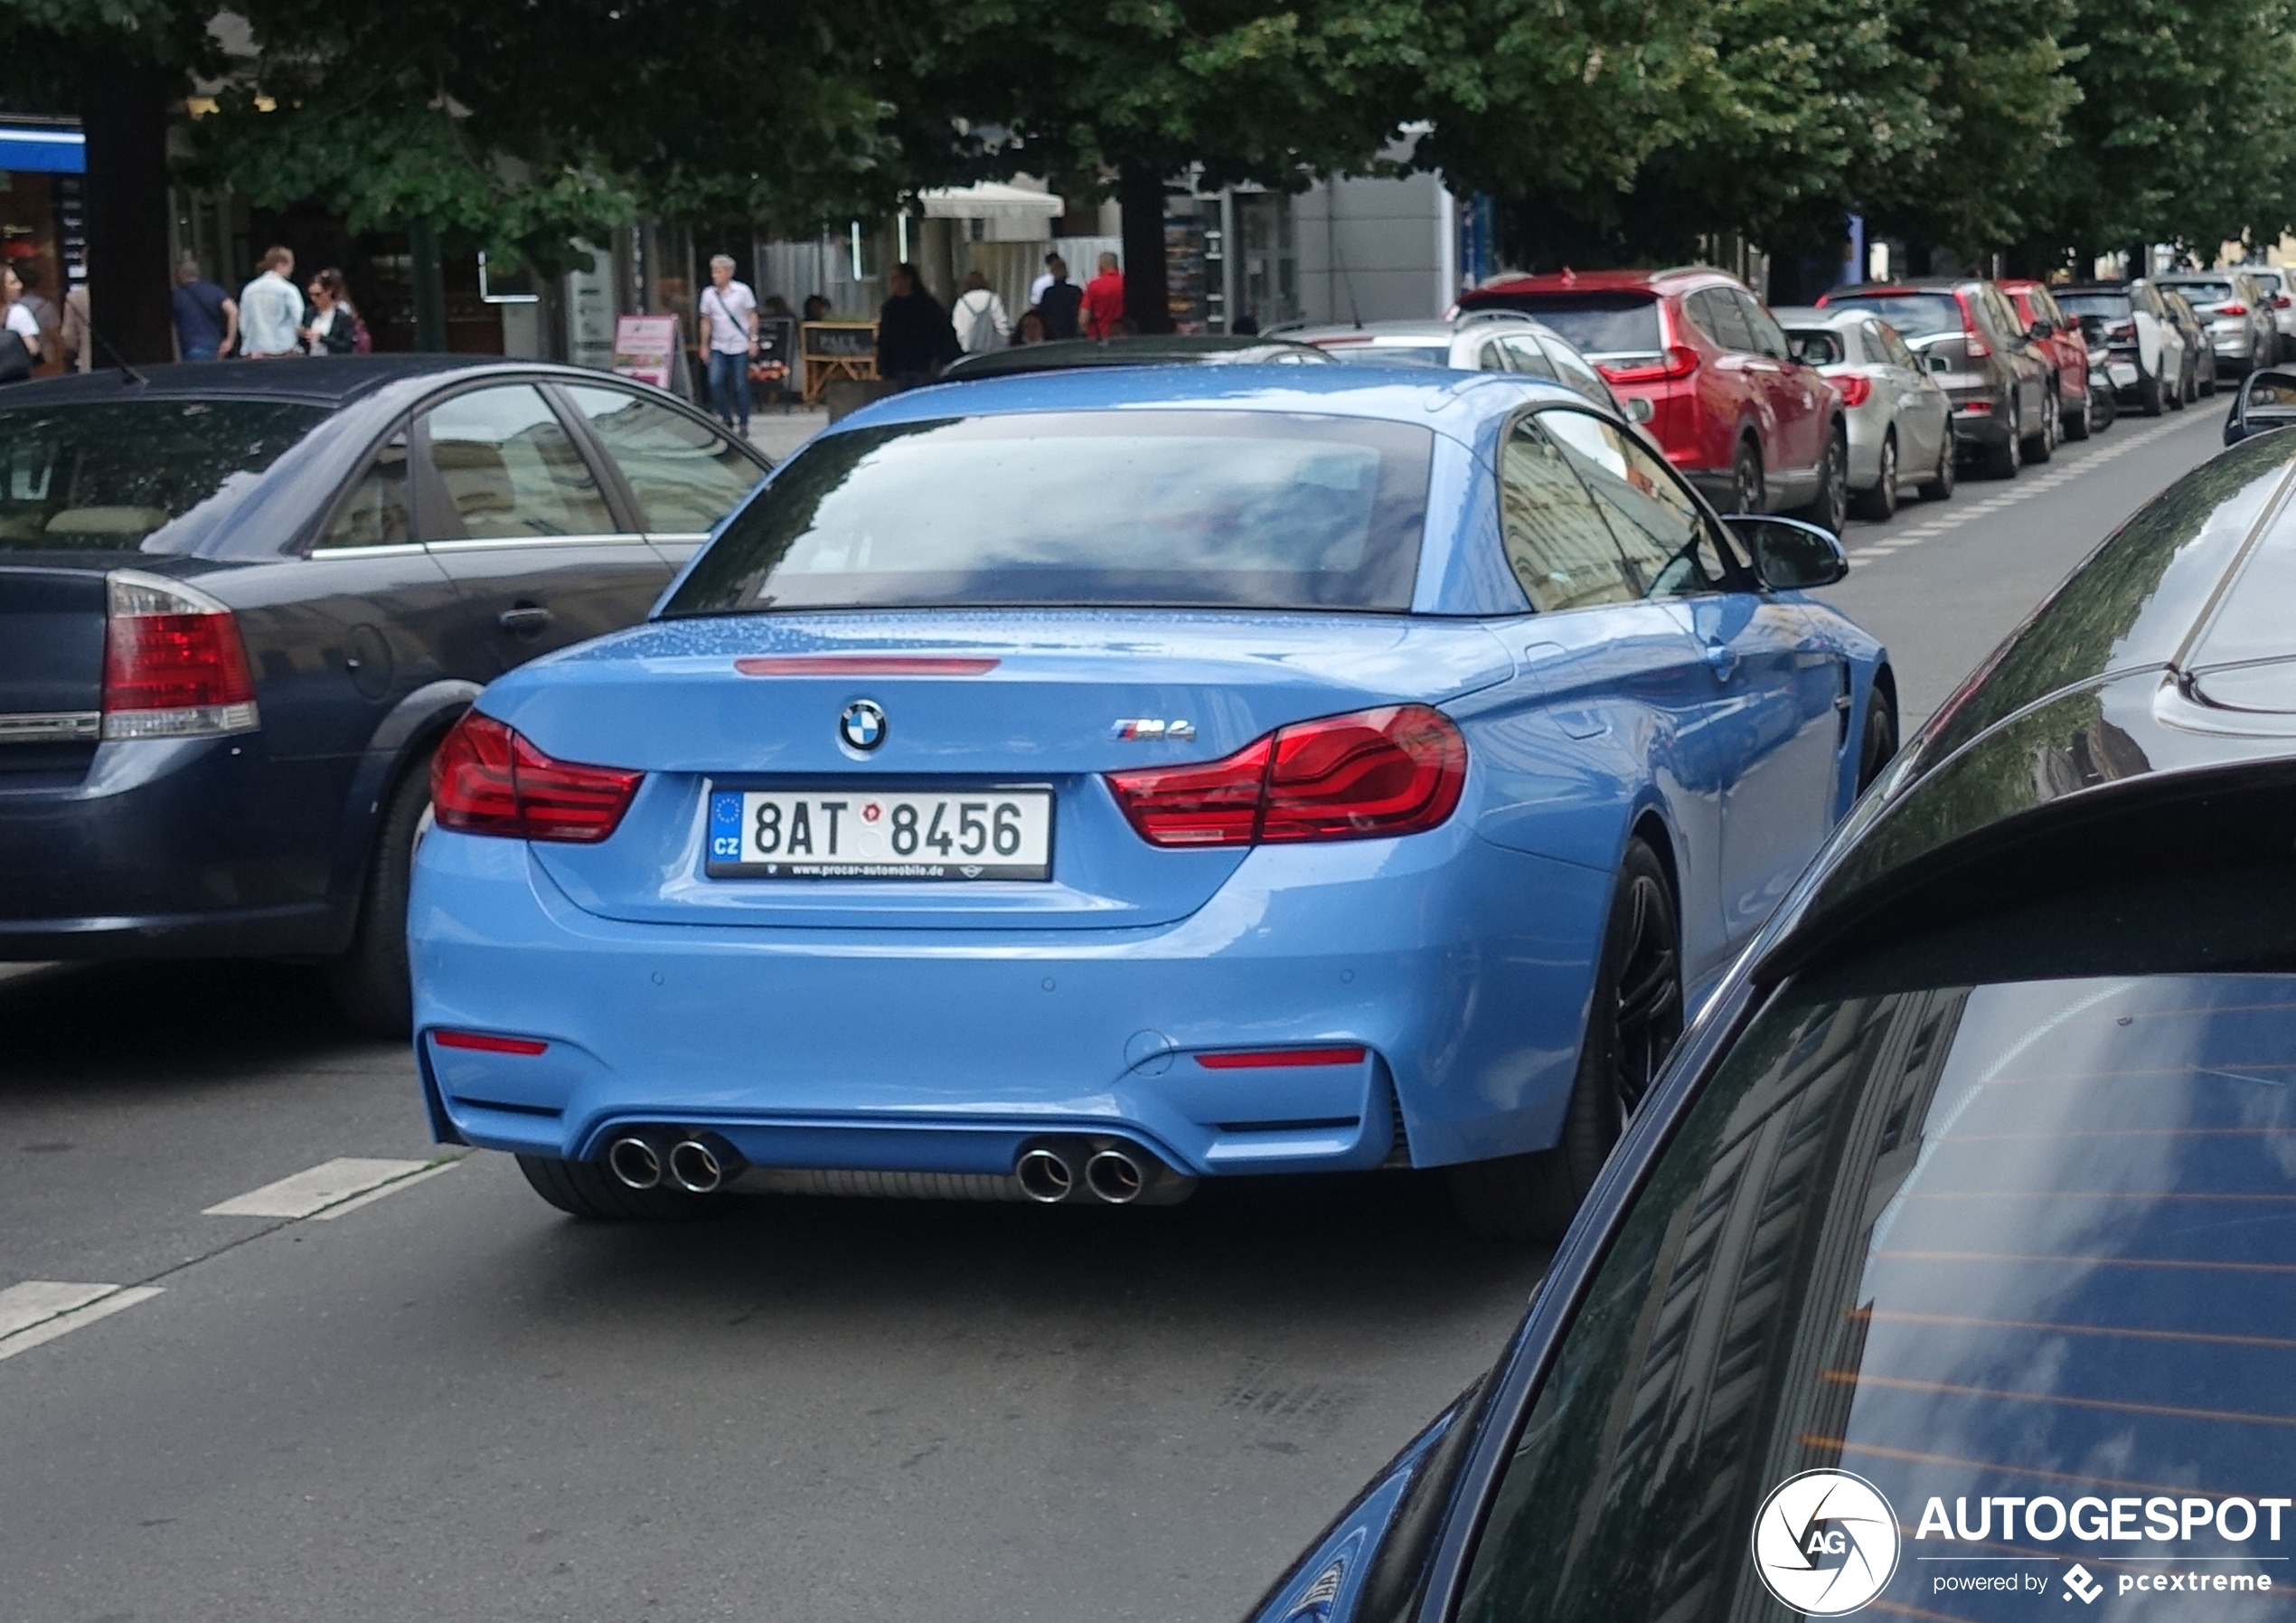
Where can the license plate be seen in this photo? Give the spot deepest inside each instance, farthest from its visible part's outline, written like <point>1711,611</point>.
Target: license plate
<point>846,833</point>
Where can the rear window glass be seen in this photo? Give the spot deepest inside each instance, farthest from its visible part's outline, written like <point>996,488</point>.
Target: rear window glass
<point>2018,1256</point>
<point>2115,306</point>
<point>1596,324</point>
<point>1244,509</point>
<point>108,477</point>
<point>1915,315</point>
<point>2204,293</point>
<point>1390,354</point>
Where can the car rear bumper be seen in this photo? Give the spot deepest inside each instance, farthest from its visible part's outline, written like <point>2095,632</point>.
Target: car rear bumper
<point>168,849</point>
<point>1462,971</point>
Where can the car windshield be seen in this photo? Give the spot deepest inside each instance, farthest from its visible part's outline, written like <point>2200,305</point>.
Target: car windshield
<point>1232,509</point>
<point>2019,1255</point>
<point>107,477</point>
<point>2112,306</point>
<point>1599,324</point>
<point>1431,354</point>
<point>1914,314</point>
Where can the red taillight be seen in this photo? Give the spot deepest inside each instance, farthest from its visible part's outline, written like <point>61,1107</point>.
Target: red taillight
<point>1853,387</point>
<point>1679,360</point>
<point>2279,301</point>
<point>1972,339</point>
<point>1270,1059</point>
<point>2232,309</point>
<point>487,1042</point>
<point>1394,770</point>
<point>485,779</point>
<point>174,664</point>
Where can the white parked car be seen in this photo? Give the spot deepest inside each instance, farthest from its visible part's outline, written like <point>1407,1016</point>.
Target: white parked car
<point>1477,341</point>
<point>1901,422</point>
<point>2148,361</point>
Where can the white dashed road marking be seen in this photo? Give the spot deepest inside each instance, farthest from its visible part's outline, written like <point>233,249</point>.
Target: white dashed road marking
<point>329,1183</point>
<point>393,1187</point>
<point>40,1310</point>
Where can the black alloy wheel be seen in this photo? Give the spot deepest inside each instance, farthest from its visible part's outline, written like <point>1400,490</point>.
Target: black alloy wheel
<point>1879,505</point>
<point>1939,486</point>
<point>2104,410</point>
<point>1745,479</point>
<point>1634,1019</point>
<point>1877,745</point>
<point>2004,459</point>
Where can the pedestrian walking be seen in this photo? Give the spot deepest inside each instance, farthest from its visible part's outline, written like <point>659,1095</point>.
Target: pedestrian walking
<point>19,329</point>
<point>272,310</point>
<point>730,310</point>
<point>333,328</point>
<point>1104,299</point>
<point>979,319</point>
<point>914,338</point>
<point>1046,278</point>
<point>207,319</point>
<point>1060,299</point>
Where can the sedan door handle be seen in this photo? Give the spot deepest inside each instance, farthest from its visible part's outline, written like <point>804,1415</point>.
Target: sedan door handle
<point>1722,659</point>
<point>526,617</point>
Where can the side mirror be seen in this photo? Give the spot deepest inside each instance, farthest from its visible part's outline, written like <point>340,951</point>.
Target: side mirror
<point>1788,554</point>
<point>2267,400</point>
<point>1639,410</point>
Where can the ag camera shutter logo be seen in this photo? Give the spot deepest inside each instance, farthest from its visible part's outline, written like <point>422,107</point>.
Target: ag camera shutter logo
<point>1825,1543</point>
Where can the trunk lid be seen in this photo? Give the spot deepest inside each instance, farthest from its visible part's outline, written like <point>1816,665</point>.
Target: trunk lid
<point>1046,710</point>
<point>51,670</point>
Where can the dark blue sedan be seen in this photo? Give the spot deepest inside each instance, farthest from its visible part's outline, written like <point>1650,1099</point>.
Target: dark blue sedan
<point>1950,1269</point>
<point>240,603</point>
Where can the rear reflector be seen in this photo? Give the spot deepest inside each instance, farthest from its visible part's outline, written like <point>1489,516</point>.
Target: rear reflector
<point>1269,1059</point>
<point>486,1044</point>
<point>486,779</point>
<point>175,665</point>
<point>857,664</point>
<point>1394,770</point>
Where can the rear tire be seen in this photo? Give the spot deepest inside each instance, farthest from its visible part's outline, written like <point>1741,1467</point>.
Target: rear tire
<point>1634,1018</point>
<point>2042,446</point>
<point>1829,508</point>
<point>1881,504</point>
<point>2003,460</point>
<point>587,1190</point>
<point>2151,396</point>
<point>1745,479</point>
<point>1877,744</point>
<point>2076,423</point>
<point>1939,486</point>
<point>369,982</point>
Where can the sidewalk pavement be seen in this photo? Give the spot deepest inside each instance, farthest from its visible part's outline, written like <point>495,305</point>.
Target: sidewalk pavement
<point>778,433</point>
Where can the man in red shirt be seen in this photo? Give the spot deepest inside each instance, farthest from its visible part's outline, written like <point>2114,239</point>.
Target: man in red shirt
<point>1104,299</point>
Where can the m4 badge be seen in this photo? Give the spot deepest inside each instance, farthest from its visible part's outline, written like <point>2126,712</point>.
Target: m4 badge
<point>1146,727</point>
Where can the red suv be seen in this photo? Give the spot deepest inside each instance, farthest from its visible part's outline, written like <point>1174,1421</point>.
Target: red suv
<point>2058,344</point>
<point>1752,426</point>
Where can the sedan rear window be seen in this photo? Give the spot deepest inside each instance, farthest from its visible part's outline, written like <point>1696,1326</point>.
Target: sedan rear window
<point>2015,1254</point>
<point>2203,293</point>
<point>1390,354</point>
<point>109,478</point>
<point>1915,315</point>
<point>2112,307</point>
<point>1185,508</point>
<point>1597,324</point>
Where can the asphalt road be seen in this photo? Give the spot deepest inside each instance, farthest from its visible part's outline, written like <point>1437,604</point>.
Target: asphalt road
<point>446,1402</point>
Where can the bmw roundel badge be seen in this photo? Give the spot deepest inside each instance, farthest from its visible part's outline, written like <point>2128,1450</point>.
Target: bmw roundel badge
<point>862,725</point>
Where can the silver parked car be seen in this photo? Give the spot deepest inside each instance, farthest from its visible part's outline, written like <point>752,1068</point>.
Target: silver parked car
<point>2236,313</point>
<point>1477,341</point>
<point>2278,285</point>
<point>1901,421</point>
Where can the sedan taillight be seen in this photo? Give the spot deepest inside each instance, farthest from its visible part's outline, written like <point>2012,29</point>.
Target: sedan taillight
<point>2232,309</point>
<point>1394,770</point>
<point>1854,387</point>
<point>486,779</point>
<point>175,665</point>
<point>1679,360</point>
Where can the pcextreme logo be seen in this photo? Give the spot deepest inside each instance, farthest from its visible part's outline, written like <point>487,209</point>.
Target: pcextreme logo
<point>1825,1543</point>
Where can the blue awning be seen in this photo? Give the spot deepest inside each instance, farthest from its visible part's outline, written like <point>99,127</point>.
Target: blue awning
<point>43,148</point>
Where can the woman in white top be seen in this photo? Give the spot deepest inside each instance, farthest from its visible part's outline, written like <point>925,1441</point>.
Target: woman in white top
<point>18,317</point>
<point>978,317</point>
<point>335,324</point>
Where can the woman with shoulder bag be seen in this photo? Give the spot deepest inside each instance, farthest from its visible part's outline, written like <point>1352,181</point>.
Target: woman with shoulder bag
<point>978,318</point>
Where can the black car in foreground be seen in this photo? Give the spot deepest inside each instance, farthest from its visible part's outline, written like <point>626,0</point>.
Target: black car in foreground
<point>240,602</point>
<point>1950,1269</point>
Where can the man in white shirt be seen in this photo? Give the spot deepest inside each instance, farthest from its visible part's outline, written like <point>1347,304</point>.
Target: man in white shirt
<point>730,310</point>
<point>1055,268</point>
<point>272,310</point>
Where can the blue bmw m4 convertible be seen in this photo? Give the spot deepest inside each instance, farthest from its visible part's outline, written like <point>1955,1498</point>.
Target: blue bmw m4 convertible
<point>1070,788</point>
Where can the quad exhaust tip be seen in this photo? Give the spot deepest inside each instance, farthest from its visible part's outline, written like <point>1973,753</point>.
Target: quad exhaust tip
<point>635,1163</point>
<point>695,1167</point>
<point>1115,1176</point>
<point>1045,1175</point>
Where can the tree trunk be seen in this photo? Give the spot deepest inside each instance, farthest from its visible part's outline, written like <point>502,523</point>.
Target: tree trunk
<point>123,108</point>
<point>1141,191</point>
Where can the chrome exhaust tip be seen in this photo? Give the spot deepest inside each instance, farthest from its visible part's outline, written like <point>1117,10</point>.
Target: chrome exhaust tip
<point>1043,1176</point>
<point>695,1168</point>
<point>1115,1176</point>
<point>634,1162</point>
